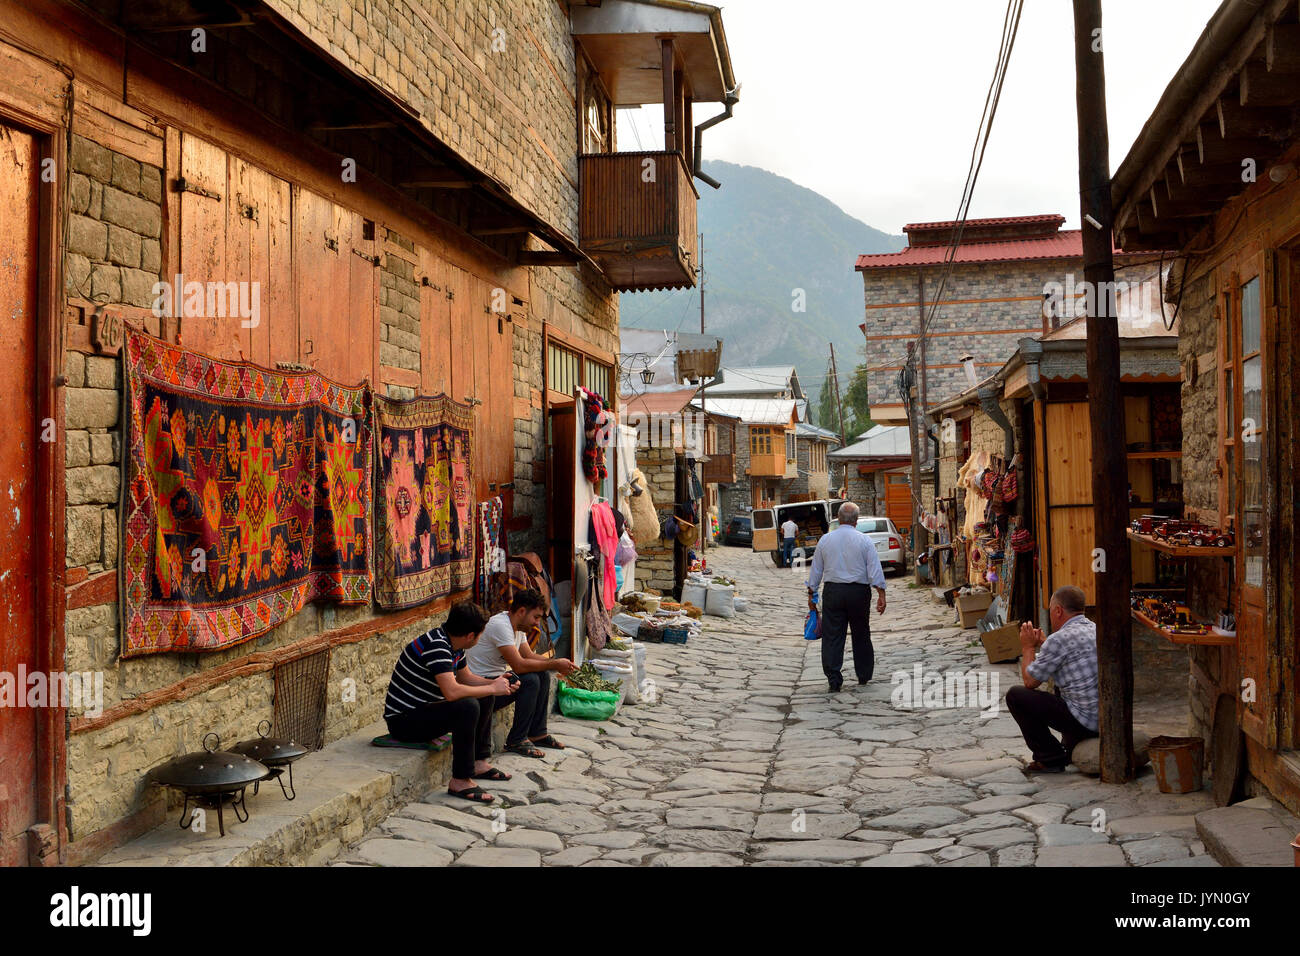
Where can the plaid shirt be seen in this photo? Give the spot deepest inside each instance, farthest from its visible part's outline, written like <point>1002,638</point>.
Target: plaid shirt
<point>1069,657</point>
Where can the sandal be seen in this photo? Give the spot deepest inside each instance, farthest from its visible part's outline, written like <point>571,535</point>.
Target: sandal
<point>473,794</point>
<point>525,750</point>
<point>491,773</point>
<point>549,742</point>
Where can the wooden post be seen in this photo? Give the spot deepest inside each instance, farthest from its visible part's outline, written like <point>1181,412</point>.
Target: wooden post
<point>839,403</point>
<point>916,461</point>
<point>1109,464</point>
<point>668,66</point>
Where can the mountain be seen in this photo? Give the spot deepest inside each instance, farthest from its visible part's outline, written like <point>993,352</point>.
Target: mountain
<point>764,237</point>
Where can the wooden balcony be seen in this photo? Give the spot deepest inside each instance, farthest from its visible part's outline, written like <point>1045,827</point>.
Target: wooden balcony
<point>767,466</point>
<point>720,470</point>
<point>638,219</point>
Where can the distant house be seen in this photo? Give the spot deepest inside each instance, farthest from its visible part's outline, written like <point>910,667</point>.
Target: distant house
<point>813,446</point>
<point>761,381</point>
<point>766,454</point>
<point>876,471</point>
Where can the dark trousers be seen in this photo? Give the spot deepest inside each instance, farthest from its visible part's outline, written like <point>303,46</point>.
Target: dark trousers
<point>460,717</point>
<point>846,606</point>
<point>530,712</point>
<point>1039,713</point>
<point>787,551</point>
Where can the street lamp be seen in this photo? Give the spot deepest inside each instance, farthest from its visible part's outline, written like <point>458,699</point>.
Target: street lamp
<point>647,375</point>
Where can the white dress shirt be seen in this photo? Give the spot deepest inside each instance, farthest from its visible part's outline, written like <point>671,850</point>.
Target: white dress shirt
<point>846,556</point>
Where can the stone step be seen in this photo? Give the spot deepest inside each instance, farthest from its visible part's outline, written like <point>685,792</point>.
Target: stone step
<point>1255,832</point>
<point>343,790</point>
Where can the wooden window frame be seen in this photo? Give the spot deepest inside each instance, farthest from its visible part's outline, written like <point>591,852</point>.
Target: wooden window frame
<point>566,345</point>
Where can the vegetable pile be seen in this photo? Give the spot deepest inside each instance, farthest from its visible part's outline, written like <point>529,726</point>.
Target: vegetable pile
<point>587,677</point>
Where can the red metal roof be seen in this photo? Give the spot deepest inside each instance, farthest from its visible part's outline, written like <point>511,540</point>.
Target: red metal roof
<point>1067,244</point>
<point>1044,218</point>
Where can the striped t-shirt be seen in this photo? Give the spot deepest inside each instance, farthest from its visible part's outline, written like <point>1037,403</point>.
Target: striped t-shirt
<point>414,682</point>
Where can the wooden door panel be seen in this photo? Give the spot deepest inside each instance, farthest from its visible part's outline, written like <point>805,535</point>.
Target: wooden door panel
<point>1069,454</point>
<point>321,282</point>
<point>203,210</point>
<point>19,191</point>
<point>362,300</point>
<point>435,326</point>
<point>257,251</point>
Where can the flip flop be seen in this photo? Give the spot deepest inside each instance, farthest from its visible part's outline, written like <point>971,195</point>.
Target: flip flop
<point>491,773</point>
<point>472,794</point>
<point>524,750</point>
<point>549,742</point>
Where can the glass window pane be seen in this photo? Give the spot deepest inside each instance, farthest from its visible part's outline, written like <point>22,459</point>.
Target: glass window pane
<point>1252,397</point>
<point>1250,317</point>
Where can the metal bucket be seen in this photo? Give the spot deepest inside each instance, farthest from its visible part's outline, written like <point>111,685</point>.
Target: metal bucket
<point>1178,763</point>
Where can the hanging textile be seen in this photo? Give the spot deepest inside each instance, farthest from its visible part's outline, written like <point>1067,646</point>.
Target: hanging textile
<point>424,529</point>
<point>603,536</point>
<point>595,432</point>
<point>246,494</point>
<point>492,580</point>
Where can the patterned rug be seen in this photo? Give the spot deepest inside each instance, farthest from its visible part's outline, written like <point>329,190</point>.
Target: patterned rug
<point>424,529</point>
<point>246,495</point>
<point>492,577</point>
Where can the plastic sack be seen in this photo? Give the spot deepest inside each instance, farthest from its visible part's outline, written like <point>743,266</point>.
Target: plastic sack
<point>696,594</point>
<point>588,704</point>
<point>741,605</point>
<point>622,671</point>
<point>626,552</point>
<point>722,601</point>
<point>812,626</point>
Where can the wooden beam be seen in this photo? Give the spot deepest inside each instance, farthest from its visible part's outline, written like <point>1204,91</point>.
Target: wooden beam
<point>1180,192</point>
<point>1262,88</point>
<point>323,126</point>
<point>1192,173</point>
<point>508,230</point>
<point>1167,208</point>
<point>1282,48</point>
<point>1239,122</point>
<point>539,258</point>
<point>668,66</point>
<point>436,184</point>
<point>1213,149</point>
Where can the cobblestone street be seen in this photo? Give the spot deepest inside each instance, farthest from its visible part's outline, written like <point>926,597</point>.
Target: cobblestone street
<point>747,759</point>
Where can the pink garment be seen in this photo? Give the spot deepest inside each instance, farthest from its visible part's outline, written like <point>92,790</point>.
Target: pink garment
<point>602,520</point>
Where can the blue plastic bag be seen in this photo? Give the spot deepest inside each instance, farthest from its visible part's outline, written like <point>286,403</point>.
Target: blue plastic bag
<point>812,626</point>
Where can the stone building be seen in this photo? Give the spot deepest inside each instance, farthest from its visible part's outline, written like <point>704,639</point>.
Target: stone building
<point>877,473</point>
<point>1008,278</point>
<point>426,198</point>
<point>1213,175</point>
<point>813,445</point>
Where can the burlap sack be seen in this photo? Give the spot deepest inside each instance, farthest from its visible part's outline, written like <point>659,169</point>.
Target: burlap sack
<point>645,522</point>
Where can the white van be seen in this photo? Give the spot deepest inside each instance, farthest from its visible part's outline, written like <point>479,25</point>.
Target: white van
<point>814,518</point>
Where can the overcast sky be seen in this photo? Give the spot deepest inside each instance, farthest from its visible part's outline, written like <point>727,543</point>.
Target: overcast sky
<point>875,103</point>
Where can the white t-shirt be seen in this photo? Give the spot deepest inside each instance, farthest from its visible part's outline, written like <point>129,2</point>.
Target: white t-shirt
<point>789,529</point>
<point>484,658</point>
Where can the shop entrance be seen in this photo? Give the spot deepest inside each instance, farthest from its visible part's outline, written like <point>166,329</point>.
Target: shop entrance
<point>20,162</point>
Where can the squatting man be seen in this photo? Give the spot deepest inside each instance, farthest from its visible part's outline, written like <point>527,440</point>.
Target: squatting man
<point>1069,658</point>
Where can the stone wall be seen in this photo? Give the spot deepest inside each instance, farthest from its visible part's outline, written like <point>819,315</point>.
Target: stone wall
<point>495,80</point>
<point>399,309</point>
<point>654,563</point>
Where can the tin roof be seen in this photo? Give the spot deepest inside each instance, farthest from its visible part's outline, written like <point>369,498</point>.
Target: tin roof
<point>753,411</point>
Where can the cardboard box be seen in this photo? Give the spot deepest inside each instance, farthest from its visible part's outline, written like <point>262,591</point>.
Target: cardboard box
<point>1002,644</point>
<point>971,607</point>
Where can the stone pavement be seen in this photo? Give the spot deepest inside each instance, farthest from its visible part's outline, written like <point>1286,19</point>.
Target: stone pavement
<point>747,759</point>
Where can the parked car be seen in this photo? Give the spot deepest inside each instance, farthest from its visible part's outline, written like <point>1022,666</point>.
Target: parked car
<point>889,543</point>
<point>740,531</point>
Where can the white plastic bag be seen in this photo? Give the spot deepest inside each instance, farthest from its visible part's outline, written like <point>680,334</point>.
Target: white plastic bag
<point>696,594</point>
<point>722,601</point>
<point>615,671</point>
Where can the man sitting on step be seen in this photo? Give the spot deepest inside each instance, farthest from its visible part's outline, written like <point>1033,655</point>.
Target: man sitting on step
<point>1068,657</point>
<point>432,692</point>
<point>503,651</point>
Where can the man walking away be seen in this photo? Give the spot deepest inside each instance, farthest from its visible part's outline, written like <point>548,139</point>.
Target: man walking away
<point>788,530</point>
<point>847,567</point>
<point>1068,657</point>
<point>502,651</point>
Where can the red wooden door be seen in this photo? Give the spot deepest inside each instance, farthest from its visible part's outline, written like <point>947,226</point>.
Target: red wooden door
<point>204,205</point>
<point>258,252</point>
<point>19,162</point>
<point>435,326</point>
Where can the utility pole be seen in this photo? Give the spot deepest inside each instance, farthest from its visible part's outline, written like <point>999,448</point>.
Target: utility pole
<point>1109,463</point>
<point>909,376</point>
<point>839,403</point>
<point>704,414</point>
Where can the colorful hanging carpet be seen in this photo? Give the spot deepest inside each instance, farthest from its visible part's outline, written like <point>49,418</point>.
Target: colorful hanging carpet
<point>424,529</point>
<point>492,577</point>
<point>247,494</point>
